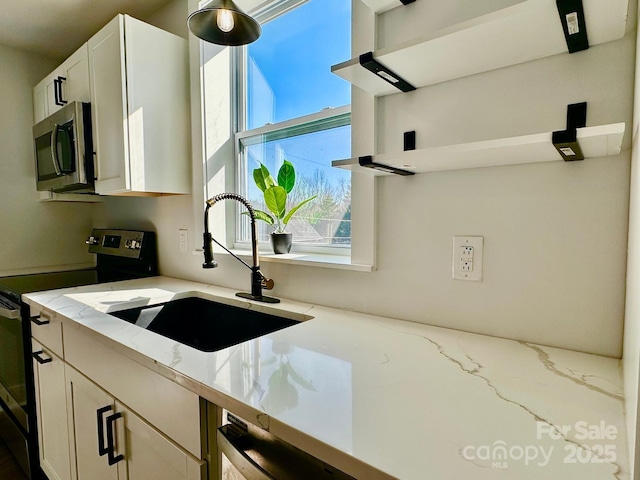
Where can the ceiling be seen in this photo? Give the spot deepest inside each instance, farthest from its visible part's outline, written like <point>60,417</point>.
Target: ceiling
<point>56,28</point>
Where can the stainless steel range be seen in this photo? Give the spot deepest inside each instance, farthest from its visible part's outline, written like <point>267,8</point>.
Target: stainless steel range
<point>121,255</point>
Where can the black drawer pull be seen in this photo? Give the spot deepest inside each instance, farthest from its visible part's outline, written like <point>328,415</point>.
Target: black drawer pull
<point>102,450</point>
<point>38,356</point>
<point>111,447</point>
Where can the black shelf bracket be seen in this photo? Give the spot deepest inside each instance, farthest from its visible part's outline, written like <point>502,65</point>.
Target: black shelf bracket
<point>409,140</point>
<point>367,162</point>
<point>367,61</point>
<point>573,24</point>
<point>566,141</point>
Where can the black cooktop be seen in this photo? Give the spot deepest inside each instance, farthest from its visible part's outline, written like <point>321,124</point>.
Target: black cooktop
<point>17,285</point>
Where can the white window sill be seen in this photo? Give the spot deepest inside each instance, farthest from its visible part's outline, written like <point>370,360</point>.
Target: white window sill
<point>322,260</point>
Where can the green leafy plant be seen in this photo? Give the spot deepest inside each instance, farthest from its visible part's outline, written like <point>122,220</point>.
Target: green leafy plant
<point>275,195</point>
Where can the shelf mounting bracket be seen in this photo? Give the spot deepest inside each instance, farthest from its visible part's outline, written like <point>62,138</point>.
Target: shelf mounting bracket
<point>573,24</point>
<point>368,62</point>
<point>566,141</point>
<point>367,162</point>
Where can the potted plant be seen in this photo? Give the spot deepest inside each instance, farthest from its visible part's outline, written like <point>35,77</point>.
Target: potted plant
<point>275,198</point>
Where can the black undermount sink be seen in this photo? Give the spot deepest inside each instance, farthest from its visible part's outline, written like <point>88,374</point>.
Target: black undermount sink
<point>204,324</point>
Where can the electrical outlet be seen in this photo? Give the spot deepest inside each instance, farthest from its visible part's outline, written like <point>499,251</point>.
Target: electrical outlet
<point>466,252</point>
<point>466,259</point>
<point>183,240</point>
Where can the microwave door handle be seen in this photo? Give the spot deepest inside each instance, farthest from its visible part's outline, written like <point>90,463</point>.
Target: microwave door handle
<point>54,149</point>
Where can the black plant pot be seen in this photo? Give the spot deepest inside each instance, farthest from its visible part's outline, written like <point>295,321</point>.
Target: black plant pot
<point>281,242</point>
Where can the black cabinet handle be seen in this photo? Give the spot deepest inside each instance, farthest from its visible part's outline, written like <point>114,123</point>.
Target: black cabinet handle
<point>38,356</point>
<point>37,320</point>
<point>111,447</point>
<point>102,450</point>
<point>56,91</point>
<point>62,100</point>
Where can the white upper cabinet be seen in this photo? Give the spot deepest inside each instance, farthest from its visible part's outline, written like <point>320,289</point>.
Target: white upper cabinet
<point>139,102</point>
<point>67,83</point>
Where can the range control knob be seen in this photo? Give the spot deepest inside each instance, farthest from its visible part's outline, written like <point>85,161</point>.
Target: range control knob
<point>132,244</point>
<point>92,240</point>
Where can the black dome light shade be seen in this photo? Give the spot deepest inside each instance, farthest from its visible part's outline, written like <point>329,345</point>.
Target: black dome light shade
<point>224,23</point>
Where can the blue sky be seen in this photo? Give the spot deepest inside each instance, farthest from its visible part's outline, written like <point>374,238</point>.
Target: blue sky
<point>295,53</point>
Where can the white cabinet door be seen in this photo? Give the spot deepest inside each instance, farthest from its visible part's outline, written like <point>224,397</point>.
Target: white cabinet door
<point>140,109</point>
<point>45,97</point>
<point>138,451</point>
<point>67,83</point>
<point>51,413</point>
<point>40,110</point>
<point>109,107</point>
<point>89,406</point>
<point>73,78</point>
<point>146,453</point>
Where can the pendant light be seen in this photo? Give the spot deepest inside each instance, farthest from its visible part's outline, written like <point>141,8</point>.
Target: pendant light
<point>224,23</point>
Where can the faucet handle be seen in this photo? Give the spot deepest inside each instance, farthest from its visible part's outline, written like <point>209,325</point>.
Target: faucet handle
<point>267,283</point>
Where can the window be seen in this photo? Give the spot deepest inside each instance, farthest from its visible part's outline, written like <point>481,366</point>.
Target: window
<point>291,107</point>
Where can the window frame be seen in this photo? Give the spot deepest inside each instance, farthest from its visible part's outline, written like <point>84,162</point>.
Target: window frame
<point>363,142</point>
<point>240,92</point>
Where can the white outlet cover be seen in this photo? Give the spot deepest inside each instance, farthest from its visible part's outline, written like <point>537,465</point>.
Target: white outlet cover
<point>459,242</point>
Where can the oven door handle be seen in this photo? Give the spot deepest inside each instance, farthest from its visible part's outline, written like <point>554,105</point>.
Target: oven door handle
<point>10,311</point>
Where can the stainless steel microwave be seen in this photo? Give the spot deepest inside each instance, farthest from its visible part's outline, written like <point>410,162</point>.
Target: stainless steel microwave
<point>64,150</point>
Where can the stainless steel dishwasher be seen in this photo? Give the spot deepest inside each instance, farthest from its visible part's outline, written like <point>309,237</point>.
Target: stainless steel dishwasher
<point>250,453</point>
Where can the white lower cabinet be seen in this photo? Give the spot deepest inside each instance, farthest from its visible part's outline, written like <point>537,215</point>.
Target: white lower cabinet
<point>102,416</point>
<point>113,443</point>
<point>89,406</point>
<point>53,436</point>
<point>148,454</point>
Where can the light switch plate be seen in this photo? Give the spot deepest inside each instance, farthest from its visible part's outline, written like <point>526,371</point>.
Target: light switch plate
<point>466,259</point>
<point>183,238</point>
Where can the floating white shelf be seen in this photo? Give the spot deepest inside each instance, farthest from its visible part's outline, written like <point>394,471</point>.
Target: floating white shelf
<point>381,6</point>
<point>599,141</point>
<point>520,33</point>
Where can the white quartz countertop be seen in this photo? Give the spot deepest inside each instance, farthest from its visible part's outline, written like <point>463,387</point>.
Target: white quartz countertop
<point>384,398</point>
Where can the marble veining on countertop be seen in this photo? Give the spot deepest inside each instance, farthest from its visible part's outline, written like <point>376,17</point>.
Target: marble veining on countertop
<point>383,398</point>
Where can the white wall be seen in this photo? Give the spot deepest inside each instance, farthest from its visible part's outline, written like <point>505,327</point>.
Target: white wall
<point>35,236</point>
<point>555,234</point>
<point>631,357</point>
